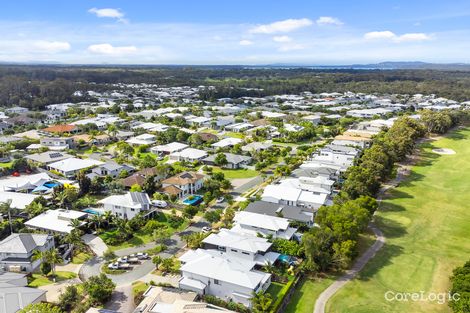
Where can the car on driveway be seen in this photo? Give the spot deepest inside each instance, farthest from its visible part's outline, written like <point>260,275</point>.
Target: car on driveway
<point>160,203</point>
<point>220,200</point>
<point>206,229</point>
<point>142,256</point>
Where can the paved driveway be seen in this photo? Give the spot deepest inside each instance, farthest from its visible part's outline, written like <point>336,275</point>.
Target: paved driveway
<point>53,291</point>
<point>95,243</point>
<point>121,300</point>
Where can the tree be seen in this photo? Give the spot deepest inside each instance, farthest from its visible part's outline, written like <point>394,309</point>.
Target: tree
<point>157,260</point>
<point>166,265</point>
<point>161,234</point>
<point>84,182</point>
<point>460,291</point>
<point>45,268</point>
<point>125,148</point>
<point>99,288</point>
<point>69,298</point>
<point>136,188</point>
<point>261,302</point>
<point>41,308</point>
<point>220,159</point>
<point>213,216</point>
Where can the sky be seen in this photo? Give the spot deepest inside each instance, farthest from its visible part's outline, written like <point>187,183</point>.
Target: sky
<point>254,32</point>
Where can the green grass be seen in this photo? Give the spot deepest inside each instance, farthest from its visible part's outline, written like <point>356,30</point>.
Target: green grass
<point>140,237</point>
<point>81,257</point>
<point>307,292</point>
<point>6,165</point>
<point>427,225</point>
<point>38,280</point>
<point>238,173</point>
<point>234,135</point>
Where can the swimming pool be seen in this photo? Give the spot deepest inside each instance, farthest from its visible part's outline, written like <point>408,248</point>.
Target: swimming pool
<point>193,200</point>
<point>91,211</point>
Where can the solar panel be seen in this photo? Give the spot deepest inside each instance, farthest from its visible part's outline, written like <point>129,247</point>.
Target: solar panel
<point>55,155</point>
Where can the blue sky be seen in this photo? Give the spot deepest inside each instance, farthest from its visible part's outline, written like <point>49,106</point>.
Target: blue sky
<point>235,32</point>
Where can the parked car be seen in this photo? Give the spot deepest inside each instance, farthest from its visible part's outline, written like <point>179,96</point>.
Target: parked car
<point>220,200</point>
<point>113,266</point>
<point>142,256</point>
<point>160,203</point>
<point>123,259</point>
<point>206,229</point>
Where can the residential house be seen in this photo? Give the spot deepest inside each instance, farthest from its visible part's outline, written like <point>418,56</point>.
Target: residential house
<point>292,213</point>
<point>214,273</point>
<point>14,293</point>
<point>240,245</point>
<point>56,221</point>
<point>255,224</point>
<point>257,146</point>
<point>61,129</point>
<point>128,205</point>
<point>234,161</point>
<point>144,139</point>
<point>188,154</point>
<point>182,184</point>
<point>44,158</point>
<point>71,166</point>
<point>227,143</point>
<point>110,168</point>
<point>57,143</point>
<point>16,110</point>
<point>16,251</point>
<point>168,148</point>
<point>238,127</point>
<point>286,194</point>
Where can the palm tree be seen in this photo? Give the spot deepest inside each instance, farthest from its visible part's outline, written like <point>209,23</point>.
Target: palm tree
<point>49,256</point>
<point>107,218</point>
<point>261,302</point>
<point>269,267</point>
<point>112,130</point>
<point>53,257</point>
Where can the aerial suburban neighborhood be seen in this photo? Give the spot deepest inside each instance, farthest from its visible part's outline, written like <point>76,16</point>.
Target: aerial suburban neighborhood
<point>234,156</point>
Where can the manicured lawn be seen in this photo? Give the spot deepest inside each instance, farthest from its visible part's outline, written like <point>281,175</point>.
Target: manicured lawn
<point>239,173</point>
<point>426,221</point>
<point>307,292</point>
<point>235,135</point>
<point>40,280</point>
<point>80,258</point>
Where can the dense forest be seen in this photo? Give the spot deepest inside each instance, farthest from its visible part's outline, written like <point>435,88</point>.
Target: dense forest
<point>36,86</point>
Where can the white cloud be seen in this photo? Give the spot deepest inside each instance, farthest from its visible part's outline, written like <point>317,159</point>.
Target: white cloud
<point>380,35</point>
<point>282,39</point>
<point>108,12</point>
<point>106,48</point>
<point>328,20</point>
<point>51,46</point>
<point>413,37</point>
<point>284,26</point>
<point>388,35</point>
<point>245,42</point>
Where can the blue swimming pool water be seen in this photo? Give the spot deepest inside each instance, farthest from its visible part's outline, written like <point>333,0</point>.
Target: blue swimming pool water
<point>91,211</point>
<point>196,199</point>
<point>284,258</point>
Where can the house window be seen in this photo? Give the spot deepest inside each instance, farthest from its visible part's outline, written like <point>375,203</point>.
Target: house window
<point>216,281</point>
<point>246,253</point>
<point>233,250</point>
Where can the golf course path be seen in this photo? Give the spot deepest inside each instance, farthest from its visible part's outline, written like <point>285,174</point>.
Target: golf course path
<point>320,304</point>
<point>402,172</point>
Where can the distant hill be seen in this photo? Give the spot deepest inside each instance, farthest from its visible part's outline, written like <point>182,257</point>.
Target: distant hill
<point>388,66</point>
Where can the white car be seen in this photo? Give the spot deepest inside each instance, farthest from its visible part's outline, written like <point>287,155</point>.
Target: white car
<point>206,229</point>
<point>160,203</point>
<point>142,256</point>
<point>220,200</point>
<point>113,266</point>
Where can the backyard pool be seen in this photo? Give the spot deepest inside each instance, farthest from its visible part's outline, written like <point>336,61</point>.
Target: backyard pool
<point>193,200</point>
<point>91,211</point>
